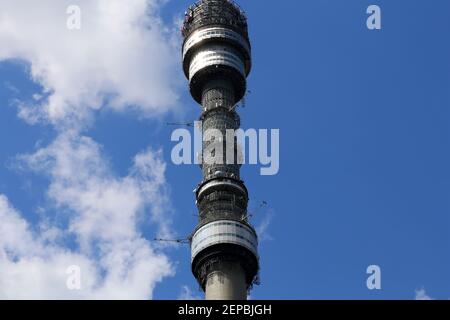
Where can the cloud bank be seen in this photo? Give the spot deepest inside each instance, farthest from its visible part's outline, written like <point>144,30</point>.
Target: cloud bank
<point>122,59</point>
<point>188,294</point>
<point>116,261</point>
<point>422,295</point>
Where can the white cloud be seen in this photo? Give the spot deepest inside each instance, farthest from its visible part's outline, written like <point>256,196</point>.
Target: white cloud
<point>82,181</point>
<point>115,259</point>
<point>422,295</point>
<point>262,229</point>
<point>187,294</point>
<point>122,58</point>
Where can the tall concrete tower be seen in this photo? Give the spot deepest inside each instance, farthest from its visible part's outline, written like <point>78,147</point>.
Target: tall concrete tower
<point>217,61</point>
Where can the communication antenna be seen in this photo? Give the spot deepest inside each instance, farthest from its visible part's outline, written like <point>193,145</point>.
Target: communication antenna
<point>179,241</point>
<point>242,103</point>
<point>244,99</point>
<point>261,205</point>
<point>180,124</point>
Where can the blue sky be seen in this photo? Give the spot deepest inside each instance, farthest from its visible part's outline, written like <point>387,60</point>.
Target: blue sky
<point>364,120</point>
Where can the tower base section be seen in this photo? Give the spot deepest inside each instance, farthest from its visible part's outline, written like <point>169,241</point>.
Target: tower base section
<point>227,282</point>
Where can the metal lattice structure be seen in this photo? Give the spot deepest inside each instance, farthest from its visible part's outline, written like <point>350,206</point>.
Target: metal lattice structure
<point>215,12</point>
<point>216,61</point>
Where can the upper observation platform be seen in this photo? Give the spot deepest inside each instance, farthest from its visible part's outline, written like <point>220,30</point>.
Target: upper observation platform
<point>224,13</point>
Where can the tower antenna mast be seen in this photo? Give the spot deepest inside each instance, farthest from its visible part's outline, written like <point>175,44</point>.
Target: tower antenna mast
<point>216,61</point>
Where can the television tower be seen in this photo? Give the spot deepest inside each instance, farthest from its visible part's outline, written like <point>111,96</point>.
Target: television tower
<point>217,61</point>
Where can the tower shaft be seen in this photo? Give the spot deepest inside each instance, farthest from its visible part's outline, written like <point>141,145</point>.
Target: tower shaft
<point>217,60</point>
<point>227,282</point>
